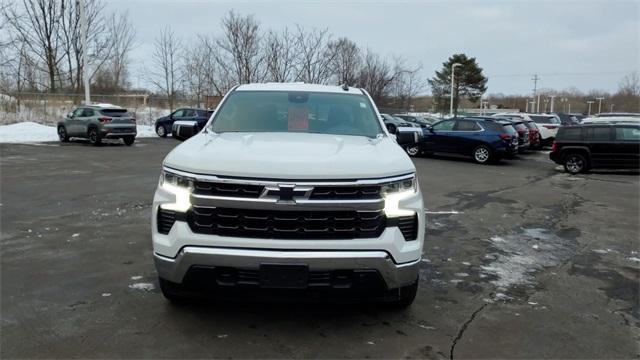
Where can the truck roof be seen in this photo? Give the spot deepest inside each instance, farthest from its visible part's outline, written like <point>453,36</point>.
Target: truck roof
<point>298,87</point>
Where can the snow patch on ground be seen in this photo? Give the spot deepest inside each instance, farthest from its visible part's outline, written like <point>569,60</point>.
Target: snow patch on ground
<point>30,132</point>
<point>519,256</point>
<point>451,212</point>
<point>142,286</point>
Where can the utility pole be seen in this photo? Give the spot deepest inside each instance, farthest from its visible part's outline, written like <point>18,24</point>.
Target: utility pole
<point>85,67</point>
<point>611,108</point>
<point>589,103</point>
<point>535,90</point>
<point>599,104</point>
<point>538,104</point>
<point>552,101</point>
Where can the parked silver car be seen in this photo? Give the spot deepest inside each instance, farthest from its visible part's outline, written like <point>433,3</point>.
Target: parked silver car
<point>98,122</point>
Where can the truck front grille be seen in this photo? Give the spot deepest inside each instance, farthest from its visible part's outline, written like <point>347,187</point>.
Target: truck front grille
<point>289,224</point>
<point>345,192</point>
<point>227,189</point>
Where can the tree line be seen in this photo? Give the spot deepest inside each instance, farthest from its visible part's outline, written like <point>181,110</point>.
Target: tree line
<point>41,51</point>
<point>243,52</point>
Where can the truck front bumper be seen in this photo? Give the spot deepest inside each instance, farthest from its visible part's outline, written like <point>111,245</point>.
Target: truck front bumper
<point>394,275</point>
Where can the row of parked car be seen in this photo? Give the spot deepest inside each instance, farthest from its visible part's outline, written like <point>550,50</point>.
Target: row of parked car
<point>602,143</point>
<point>485,138</point>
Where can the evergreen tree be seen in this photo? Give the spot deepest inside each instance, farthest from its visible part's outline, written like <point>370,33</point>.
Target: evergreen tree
<point>469,82</point>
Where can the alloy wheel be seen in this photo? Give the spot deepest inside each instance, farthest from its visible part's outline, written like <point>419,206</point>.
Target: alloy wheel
<point>575,164</point>
<point>481,154</point>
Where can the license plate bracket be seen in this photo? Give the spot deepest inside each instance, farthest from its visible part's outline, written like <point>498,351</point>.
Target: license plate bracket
<point>284,276</point>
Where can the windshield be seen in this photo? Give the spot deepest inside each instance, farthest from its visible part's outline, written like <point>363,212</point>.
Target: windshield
<point>307,112</point>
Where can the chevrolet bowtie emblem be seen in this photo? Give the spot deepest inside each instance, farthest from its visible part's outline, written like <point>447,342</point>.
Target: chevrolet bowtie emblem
<point>286,192</point>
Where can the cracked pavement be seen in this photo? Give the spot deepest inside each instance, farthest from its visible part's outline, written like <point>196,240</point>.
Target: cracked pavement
<point>521,261</point>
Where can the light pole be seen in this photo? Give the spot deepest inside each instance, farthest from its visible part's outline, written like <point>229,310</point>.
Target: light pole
<point>589,103</point>
<point>538,104</point>
<point>453,69</point>
<point>553,97</point>
<point>85,68</point>
<point>599,104</point>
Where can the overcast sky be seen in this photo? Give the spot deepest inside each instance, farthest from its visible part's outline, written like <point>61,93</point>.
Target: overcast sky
<point>583,44</point>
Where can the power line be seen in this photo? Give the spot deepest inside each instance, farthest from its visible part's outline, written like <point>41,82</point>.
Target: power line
<point>594,73</point>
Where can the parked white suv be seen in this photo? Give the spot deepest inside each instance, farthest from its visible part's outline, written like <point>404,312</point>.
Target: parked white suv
<point>290,186</point>
<point>548,124</point>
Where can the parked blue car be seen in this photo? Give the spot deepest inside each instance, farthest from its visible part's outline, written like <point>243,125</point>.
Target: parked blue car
<point>483,140</point>
<point>164,125</point>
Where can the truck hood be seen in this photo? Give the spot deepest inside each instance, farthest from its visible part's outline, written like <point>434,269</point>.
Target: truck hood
<point>290,156</point>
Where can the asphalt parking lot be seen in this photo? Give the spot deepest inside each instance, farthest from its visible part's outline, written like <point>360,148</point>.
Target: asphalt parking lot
<point>521,261</point>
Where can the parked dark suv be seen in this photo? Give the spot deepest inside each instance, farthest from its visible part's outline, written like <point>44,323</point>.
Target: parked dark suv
<point>164,125</point>
<point>583,147</point>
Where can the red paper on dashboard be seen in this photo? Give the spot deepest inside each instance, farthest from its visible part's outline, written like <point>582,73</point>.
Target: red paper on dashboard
<point>298,118</point>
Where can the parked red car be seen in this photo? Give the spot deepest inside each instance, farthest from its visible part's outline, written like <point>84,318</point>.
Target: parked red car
<point>534,138</point>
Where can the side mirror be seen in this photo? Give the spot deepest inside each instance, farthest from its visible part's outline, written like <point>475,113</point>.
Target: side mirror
<point>70,115</point>
<point>408,135</point>
<point>430,128</point>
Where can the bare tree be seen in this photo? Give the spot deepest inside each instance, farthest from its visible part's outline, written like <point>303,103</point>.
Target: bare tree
<point>219,78</point>
<point>241,45</point>
<point>195,71</point>
<point>167,66</point>
<point>630,84</point>
<point>315,56</point>
<point>122,35</point>
<point>99,40</point>
<point>407,83</point>
<point>376,75</point>
<point>280,54</point>
<point>346,61</point>
<point>628,95</point>
<point>37,24</point>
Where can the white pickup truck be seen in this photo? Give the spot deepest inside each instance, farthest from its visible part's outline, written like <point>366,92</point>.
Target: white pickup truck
<point>290,188</point>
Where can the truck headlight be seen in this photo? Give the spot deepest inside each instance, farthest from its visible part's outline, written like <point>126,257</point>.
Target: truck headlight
<point>180,186</point>
<point>396,191</point>
<point>399,186</point>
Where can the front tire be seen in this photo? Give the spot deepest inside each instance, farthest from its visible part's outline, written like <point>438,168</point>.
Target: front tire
<point>94,137</point>
<point>128,140</point>
<point>413,150</point>
<point>161,130</point>
<point>407,294</point>
<point>62,134</point>
<point>172,292</point>
<point>482,154</point>
<point>575,163</point>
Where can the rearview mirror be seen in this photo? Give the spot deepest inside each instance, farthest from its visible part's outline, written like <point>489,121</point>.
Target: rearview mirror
<point>408,135</point>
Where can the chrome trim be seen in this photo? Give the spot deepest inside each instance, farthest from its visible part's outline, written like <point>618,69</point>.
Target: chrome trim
<point>276,182</point>
<point>119,134</point>
<point>270,203</point>
<point>395,275</point>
